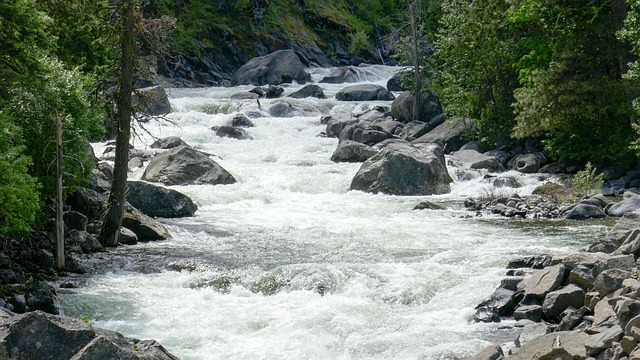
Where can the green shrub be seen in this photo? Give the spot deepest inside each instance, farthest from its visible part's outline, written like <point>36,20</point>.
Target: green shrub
<point>588,181</point>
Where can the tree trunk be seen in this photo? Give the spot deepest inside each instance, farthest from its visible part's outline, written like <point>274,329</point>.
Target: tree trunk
<point>59,260</point>
<point>113,219</point>
<point>417,76</point>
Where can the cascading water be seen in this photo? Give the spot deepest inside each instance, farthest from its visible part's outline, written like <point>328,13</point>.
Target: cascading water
<point>289,264</point>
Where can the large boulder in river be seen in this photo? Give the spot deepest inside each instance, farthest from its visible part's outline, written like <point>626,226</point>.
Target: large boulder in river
<point>430,107</point>
<point>283,66</point>
<point>402,168</point>
<point>186,166</point>
<point>449,134</point>
<point>629,204</point>
<point>364,92</point>
<point>337,122</point>
<point>37,335</point>
<point>155,200</point>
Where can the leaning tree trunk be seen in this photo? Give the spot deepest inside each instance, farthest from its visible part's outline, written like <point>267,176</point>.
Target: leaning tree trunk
<point>113,218</point>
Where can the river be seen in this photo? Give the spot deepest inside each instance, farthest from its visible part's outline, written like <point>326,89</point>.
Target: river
<point>289,264</point>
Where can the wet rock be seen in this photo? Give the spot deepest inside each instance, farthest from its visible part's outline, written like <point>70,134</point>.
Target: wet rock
<point>186,166</point>
<point>168,143</point>
<point>273,92</point>
<point>88,202</point>
<point>157,201</point>
<point>37,335</point>
<point>135,163</point>
<point>245,96</point>
<point>231,132</point>
<point>402,168</point>
<point>352,151</point>
<point>531,262</point>
<point>145,227</point>
<point>395,82</point>
<point>342,75</point>
<point>240,120</point>
<point>427,205</point>
<point>501,303</point>
<point>430,108</point>
<point>127,237</point>
<point>283,66</point>
<point>314,91</point>
<point>282,110</point>
<point>364,92</point>
<point>528,163</point>
<point>87,242</point>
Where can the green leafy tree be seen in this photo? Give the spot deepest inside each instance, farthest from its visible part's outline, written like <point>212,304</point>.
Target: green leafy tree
<point>572,91</point>
<point>475,50</point>
<point>18,189</point>
<point>631,34</point>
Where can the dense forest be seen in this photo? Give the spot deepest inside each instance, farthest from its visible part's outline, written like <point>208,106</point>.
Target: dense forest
<point>562,71</point>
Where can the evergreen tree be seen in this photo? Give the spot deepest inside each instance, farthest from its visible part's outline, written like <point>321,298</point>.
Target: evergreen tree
<point>572,89</point>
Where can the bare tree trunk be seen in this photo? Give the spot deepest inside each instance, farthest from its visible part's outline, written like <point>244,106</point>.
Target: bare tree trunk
<point>113,219</point>
<point>417,76</point>
<point>59,260</point>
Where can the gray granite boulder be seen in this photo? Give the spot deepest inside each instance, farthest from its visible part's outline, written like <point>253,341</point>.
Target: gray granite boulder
<point>157,201</point>
<point>168,143</point>
<point>185,166</point>
<point>283,66</point>
<point>402,168</point>
<point>314,91</point>
<point>543,281</point>
<point>151,100</point>
<point>557,301</point>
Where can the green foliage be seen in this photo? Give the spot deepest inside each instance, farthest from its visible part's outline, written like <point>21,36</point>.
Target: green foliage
<point>631,34</point>
<point>85,319</point>
<point>572,92</point>
<point>359,43</point>
<point>18,189</point>
<point>475,53</point>
<point>36,104</point>
<point>588,181</point>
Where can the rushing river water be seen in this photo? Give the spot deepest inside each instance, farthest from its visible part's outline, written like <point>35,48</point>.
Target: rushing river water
<point>289,264</point>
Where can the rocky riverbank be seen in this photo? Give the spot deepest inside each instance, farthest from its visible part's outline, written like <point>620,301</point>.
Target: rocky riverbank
<point>582,305</point>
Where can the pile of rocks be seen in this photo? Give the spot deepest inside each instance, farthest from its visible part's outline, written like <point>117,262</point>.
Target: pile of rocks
<point>578,306</point>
